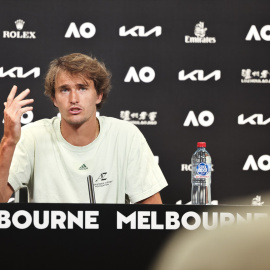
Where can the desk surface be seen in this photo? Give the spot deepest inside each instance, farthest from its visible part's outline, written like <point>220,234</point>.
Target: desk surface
<point>101,239</point>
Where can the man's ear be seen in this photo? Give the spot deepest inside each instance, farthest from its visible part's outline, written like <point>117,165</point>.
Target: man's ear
<point>99,98</point>
<point>54,102</point>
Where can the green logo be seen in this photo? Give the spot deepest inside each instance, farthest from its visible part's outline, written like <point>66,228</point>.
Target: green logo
<point>83,167</point>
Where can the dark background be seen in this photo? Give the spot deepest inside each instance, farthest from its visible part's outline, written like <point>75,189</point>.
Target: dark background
<point>229,143</point>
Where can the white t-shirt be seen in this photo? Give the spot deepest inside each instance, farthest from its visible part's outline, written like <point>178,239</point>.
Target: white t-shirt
<point>119,160</point>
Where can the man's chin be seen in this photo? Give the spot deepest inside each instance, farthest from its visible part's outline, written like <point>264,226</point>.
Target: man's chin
<point>75,122</point>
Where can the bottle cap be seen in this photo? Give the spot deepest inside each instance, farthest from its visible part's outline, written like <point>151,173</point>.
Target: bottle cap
<point>201,144</point>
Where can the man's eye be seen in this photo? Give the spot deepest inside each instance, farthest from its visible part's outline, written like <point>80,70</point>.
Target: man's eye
<point>83,88</point>
<point>64,90</point>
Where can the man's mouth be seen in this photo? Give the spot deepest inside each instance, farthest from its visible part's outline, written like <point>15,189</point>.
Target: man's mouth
<point>75,110</point>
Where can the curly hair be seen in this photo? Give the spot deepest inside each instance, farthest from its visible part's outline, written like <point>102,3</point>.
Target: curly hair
<point>77,63</point>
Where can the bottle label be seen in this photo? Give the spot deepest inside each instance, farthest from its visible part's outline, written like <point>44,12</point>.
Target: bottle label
<point>203,170</point>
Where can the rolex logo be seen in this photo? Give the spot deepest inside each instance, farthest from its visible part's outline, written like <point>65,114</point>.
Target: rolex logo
<point>19,34</point>
<point>19,24</point>
<point>83,167</point>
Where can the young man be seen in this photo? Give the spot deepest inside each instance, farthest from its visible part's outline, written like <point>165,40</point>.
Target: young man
<point>53,157</point>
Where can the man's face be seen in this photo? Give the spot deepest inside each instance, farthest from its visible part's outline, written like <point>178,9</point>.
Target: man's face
<point>76,98</point>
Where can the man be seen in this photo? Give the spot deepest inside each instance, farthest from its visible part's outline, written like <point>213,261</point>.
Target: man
<point>53,157</point>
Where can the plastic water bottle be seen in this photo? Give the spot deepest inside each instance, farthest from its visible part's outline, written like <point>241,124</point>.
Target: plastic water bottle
<point>201,175</point>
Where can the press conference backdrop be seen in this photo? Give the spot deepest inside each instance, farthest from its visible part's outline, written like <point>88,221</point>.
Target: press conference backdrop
<point>183,71</point>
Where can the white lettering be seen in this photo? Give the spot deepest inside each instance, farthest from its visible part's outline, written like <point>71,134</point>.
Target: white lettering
<point>139,31</point>
<point>57,219</point>
<point>251,120</point>
<point>18,34</point>
<point>189,39</point>
<point>146,74</point>
<point>250,163</point>
<point>186,167</point>
<point>143,220</point>
<point>172,220</point>
<point>87,30</point>
<point>122,219</point>
<point>154,225</point>
<point>72,30</point>
<point>226,219</point>
<point>206,221</point>
<point>241,219</point>
<point>4,219</point>
<point>264,31</point>
<point>192,75</point>
<point>206,119</point>
<point>185,223</point>
<point>46,219</point>
<point>191,119</point>
<point>132,74</point>
<point>261,163</point>
<point>28,219</point>
<point>253,32</point>
<point>91,220</point>
<point>78,220</point>
<point>20,74</point>
<point>5,34</point>
<point>209,118</point>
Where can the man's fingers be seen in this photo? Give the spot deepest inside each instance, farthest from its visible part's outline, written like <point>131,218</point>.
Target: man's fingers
<point>24,110</point>
<point>11,95</point>
<point>25,102</point>
<point>22,95</point>
<point>15,107</point>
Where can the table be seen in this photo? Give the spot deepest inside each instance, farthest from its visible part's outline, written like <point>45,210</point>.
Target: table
<point>99,236</point>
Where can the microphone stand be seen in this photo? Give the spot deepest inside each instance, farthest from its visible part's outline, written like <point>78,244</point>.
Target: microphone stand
<point>91,189</point>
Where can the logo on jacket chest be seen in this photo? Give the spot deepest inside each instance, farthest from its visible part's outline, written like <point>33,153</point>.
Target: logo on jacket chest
<point>102,180</point>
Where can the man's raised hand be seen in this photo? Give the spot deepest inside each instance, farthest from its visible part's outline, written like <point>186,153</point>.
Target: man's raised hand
<point>14,109</point>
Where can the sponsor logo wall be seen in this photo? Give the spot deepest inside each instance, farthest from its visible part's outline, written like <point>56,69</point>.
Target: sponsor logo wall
<point>180,74</point>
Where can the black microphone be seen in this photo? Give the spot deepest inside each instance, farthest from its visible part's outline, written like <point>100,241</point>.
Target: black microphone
<point>91,189</point>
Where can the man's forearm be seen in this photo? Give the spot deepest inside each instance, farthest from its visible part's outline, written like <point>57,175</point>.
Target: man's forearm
<point>6,153</point>
<point>14,109</point>
<point>155,199</point>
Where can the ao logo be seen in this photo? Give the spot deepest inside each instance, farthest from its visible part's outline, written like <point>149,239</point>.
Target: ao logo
<point>87,30</point>
<point>263,163</point>
<point>205,118</point>
<point>253,33</point>
<point>26,118</point>
<point>146,74</point>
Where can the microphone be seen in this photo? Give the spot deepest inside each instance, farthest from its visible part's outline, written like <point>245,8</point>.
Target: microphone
<point>91,189</point>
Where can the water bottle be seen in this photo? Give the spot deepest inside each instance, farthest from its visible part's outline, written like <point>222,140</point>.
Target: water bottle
<point>201,175</point>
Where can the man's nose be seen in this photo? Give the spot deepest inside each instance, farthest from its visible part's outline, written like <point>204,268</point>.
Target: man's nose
<point>74,96</point>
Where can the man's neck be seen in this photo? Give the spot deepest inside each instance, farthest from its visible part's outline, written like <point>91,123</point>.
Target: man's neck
<point>81,135</point>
